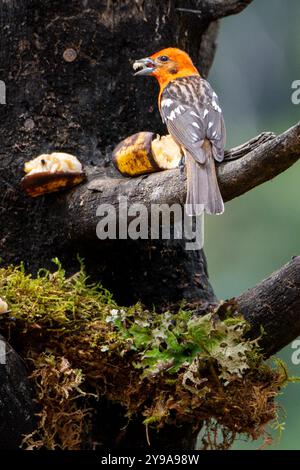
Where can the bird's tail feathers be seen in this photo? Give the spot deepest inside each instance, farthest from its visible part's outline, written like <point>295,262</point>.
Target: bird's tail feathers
<point>203,193</point>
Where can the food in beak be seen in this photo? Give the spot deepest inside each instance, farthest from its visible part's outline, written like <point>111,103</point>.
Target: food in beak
<point>144,66</point>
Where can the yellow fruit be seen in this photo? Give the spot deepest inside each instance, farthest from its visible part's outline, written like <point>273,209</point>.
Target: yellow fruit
<point>144,153</point>
<point>49,173</point>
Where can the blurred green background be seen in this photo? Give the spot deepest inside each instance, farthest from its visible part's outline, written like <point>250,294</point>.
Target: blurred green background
<point>257,60</point>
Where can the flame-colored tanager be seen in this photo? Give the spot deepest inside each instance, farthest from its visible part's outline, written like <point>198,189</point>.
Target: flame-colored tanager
<point>190,109</point>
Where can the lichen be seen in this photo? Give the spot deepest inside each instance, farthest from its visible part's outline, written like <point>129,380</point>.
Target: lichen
<point>163,368</point>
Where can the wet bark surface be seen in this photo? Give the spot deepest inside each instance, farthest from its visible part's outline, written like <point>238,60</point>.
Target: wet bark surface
<point>70,87</point>
<point>17,408</point>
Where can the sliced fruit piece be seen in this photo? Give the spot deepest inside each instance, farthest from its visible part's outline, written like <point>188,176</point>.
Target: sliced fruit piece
<point>49,173</point>
<point>166,153</point>
<point>145,152</point>
<point>133,155</point>
<point>53,163</point>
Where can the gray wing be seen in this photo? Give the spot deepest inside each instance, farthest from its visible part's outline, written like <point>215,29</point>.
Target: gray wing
<point>191,112</point>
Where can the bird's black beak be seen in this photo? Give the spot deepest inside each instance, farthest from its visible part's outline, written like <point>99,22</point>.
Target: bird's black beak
<point>144,66</point>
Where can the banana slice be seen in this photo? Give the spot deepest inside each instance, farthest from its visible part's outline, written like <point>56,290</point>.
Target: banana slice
<point>166,153</point>
<point>145,152</point>
<point>53,172</point>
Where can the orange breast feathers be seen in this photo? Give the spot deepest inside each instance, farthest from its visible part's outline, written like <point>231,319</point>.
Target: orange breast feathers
<point>171,63</point>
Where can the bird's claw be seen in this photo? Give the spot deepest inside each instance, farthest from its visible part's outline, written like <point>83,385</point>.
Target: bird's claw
<point>182,164</point>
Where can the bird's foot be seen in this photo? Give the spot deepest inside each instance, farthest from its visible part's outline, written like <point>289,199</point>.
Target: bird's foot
<point>182,164</point>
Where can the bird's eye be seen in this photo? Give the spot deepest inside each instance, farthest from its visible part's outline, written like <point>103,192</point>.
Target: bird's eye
<point>163,58</point>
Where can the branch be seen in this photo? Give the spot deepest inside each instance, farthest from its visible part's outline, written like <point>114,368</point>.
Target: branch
<point>237,152</point>
<point>216,9</point>
<point>259,160</point>
<point>260,164</point>
<point>274,305</point>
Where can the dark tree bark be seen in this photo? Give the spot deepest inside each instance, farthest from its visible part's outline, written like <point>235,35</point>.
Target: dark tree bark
<point>68,72</point>
<point>17,409</point>
<point>113,430</point>
<point>273,308</point>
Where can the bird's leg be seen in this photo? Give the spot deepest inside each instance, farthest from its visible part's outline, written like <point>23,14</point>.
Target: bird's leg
<point>182,164</point>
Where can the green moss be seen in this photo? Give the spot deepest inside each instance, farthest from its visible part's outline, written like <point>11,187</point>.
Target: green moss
<point>162,367</point>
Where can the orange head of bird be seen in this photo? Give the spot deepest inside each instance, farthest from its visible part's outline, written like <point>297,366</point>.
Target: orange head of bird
<point>166,65</point>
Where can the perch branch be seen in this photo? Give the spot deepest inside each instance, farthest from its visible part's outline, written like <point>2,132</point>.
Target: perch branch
<point>216,9</point>
<point>274,306</point>
<point>260,164</point>
<point>237,152</point>
<point>249,165</point>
